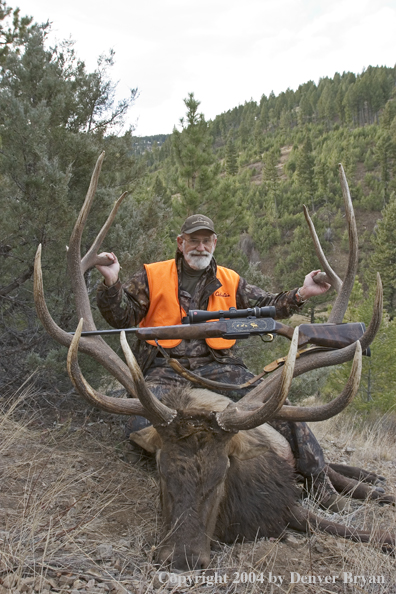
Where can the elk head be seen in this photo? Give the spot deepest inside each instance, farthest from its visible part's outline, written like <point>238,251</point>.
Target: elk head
<point>196,443</point>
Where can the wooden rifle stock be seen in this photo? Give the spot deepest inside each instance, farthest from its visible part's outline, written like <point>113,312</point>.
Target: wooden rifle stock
<point>335,336</point>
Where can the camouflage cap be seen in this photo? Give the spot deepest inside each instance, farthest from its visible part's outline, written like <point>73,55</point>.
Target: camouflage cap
<point>197,222</point>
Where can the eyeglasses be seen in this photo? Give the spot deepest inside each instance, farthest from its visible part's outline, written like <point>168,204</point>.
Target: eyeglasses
<point>195,242</point>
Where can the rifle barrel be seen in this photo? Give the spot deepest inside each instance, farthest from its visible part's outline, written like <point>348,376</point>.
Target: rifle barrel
<point>183,331</point>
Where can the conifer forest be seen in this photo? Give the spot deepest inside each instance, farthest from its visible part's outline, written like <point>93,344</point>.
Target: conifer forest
<point>251,169</point>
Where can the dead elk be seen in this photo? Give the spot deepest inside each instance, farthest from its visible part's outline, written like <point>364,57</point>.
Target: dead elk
<point>224,472</point>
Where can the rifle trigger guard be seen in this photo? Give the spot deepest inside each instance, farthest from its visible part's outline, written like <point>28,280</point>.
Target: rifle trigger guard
<point>271,337</point>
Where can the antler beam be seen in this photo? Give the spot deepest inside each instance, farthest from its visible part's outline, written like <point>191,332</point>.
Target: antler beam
<point>343,289</point>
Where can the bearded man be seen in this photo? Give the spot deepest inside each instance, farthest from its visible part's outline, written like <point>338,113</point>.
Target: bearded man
<point>162,293</point>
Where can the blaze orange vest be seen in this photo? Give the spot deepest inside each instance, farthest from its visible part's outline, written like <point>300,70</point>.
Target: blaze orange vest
<point>165,309</point>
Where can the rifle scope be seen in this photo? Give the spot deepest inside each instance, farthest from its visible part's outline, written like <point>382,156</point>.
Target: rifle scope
<point>195,316</point>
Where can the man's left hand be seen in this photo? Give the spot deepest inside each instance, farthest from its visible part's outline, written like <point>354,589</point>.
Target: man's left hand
<point>310,288</point>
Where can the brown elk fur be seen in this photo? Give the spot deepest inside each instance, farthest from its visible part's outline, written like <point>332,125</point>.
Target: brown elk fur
<point>221,485</point>
<point>258,496</point>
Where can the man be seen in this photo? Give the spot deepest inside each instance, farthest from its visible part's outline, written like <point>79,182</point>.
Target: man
<point>162,293</point>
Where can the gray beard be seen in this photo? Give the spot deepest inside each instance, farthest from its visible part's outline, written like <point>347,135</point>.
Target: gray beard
<point>198,262</point>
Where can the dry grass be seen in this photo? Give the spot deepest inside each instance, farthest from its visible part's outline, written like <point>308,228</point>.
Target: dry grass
<point>76,514</point>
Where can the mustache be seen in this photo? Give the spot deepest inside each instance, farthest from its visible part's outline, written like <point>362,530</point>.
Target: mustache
<point>201,254</point>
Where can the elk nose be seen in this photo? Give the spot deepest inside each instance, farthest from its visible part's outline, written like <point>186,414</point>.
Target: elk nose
<point>183,560</point>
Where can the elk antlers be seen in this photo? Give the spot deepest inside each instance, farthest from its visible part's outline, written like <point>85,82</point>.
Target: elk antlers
<point>263,402</point>
<point>343,289</point>
<point>147,405</point>
<point>95,346</point>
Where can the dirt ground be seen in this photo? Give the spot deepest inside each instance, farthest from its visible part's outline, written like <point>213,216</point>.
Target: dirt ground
<point>79,513</point>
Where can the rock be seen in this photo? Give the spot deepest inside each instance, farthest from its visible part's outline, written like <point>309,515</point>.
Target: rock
<point>319,548</point>
<point>41,583</point>
<point>104,551</point>
<point>67,580</point>
<point>26,584</point>
<point>119,589</point>
<point>292,541</point>
<point>349,450</point>
<point>53,583</point>
<point>117,565</point>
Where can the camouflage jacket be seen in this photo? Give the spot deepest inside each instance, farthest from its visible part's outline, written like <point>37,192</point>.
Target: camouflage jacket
<point>125,305</point>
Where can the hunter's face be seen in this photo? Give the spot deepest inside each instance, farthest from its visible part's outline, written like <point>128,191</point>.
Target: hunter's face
<point>197,248</point>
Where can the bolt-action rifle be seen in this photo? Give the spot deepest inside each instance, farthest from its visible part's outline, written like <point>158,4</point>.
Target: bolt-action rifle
<point>243,323</point>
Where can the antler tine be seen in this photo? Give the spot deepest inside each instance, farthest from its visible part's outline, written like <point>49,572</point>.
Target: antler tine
<point>326,411</point>
<point>94,346</point>
<point>41,307</point>
<point>74,252</point>
<point>120,406</point>
<point>343,288</point>
<point>234,418</point>
<point>91,258</point>
<point>376,318</point>
<point>333,278</point>
<point>341,302</point>
<point>162,414</point>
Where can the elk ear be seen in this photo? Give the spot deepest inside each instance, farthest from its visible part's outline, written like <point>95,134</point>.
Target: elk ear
<point>243,448</point>
<point>147,438</point>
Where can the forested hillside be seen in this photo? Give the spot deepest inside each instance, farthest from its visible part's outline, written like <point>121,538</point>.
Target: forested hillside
<point>250,169</point>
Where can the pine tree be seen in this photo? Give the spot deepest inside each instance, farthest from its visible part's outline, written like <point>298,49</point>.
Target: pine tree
<point>271,180</point>
<point>305,169</point>
<point>231,158</point>
<point>384,258</point>
<point>12,29</point>
<point>198,187</point>
<point>192,150</point>
<point>384,152</point>
<point>46,160</point>
<point>388,115</point>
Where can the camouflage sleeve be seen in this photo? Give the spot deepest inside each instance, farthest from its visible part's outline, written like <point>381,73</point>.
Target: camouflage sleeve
<point>125,305</point>
<point>252,296</point>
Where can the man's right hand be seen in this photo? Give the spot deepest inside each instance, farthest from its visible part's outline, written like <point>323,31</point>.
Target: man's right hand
<point>110,271</point>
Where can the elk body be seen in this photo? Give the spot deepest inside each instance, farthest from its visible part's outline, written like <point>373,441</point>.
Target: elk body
<point>224,473</point>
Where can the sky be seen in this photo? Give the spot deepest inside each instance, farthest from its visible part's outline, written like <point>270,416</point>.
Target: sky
<point>224,51</point>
